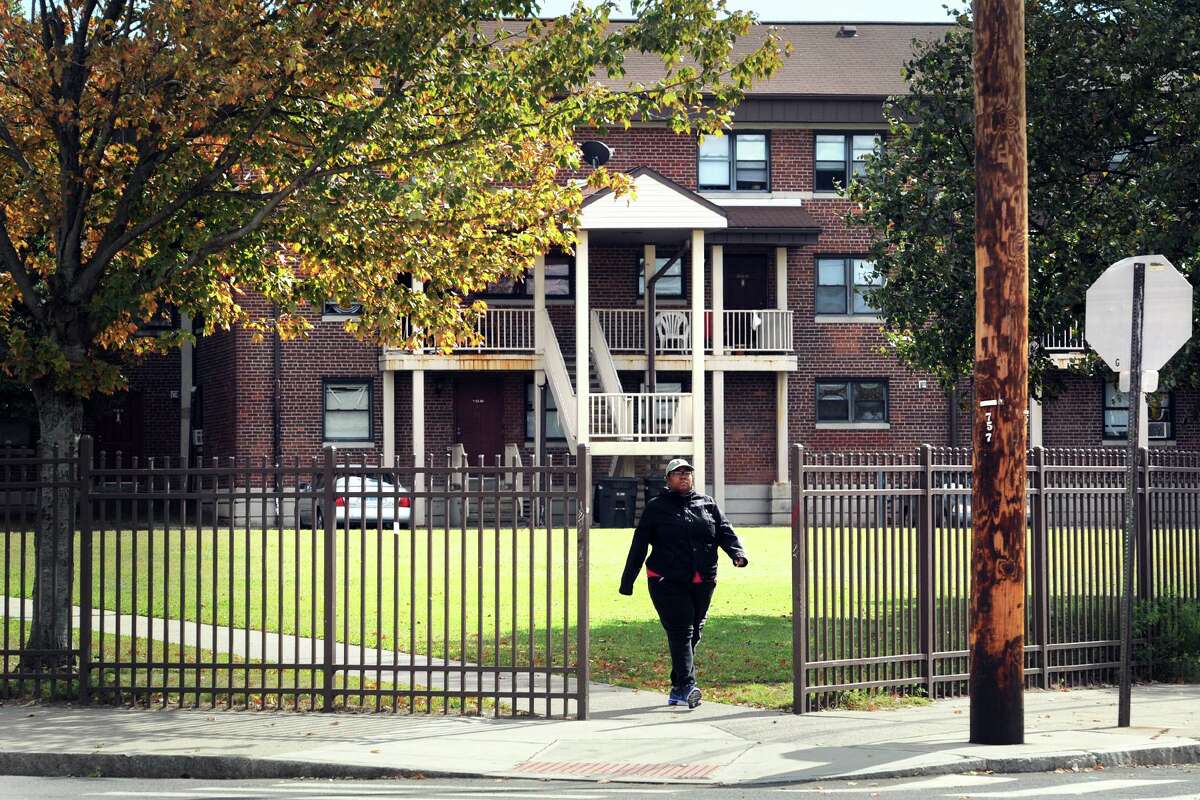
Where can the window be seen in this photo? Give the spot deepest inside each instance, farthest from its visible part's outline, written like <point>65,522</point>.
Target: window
<point>1116,414</point>
<point>331,308</point>
<point>669,285</point>
<point>554,431</point>
<point>852,401</point>
<point>843,283</point>
<point>734,161</point>
<point>560,275</point>
<point>348,411</point>
<point>841,156</point>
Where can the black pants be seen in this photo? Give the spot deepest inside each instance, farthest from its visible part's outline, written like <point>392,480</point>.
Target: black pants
<point>681,609</point>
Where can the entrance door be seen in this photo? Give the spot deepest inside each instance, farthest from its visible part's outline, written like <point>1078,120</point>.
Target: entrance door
<point>478,416</point>
<point>746,281</point>
<point>118,424</point>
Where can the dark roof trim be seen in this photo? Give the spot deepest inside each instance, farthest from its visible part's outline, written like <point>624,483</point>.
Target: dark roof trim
<point>778,237</point>
<point>665,181</point>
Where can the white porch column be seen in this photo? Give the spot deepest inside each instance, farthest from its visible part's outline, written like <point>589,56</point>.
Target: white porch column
<point>418,440</point>
<point>698,403</point>
<point>582,331</point>
<point>781,427</point>
<point>185,391</point>
<point>389,418</point>
<point>418,431</point>
<point>718,302</point>
<point>1035,422</point>
<point>718,433</point>
<point>781,279</point>
<point>539,303</point>
<point>1143,434</point>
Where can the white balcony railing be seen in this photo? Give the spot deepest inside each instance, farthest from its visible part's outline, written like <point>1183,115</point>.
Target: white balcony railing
<point>743,332</point>
<point>1067,339</point>
<point>500,330</point>
<point>640,417</point>
<point>757,331</point>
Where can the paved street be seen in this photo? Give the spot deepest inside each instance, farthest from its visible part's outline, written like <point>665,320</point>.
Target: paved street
<point>1162,783</point>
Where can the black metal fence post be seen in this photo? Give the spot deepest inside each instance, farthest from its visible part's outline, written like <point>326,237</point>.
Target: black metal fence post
<point>1040,547</point>
<point>329,578</point>
<point>583,483</point>
<point>84,498</point>
<point>799,583</point>
<point>925,587</point>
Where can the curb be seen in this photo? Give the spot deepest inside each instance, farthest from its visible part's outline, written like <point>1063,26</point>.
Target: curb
<point>148,765</point>
<point>1140,757</point>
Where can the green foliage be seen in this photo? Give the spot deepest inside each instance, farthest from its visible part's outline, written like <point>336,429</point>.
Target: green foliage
<point>1169,628</point>
<point>204,154</point>
<point>1113,105</point>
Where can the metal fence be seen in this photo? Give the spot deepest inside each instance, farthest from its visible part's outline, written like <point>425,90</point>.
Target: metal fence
<point>881,564</point>
<point>319,585</point>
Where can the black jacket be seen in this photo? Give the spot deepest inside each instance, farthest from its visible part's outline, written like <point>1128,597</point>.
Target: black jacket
<point>685,531</point>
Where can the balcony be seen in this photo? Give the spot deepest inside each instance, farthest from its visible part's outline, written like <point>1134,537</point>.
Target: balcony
<point>758,331</point>
<point>640,417</point>
<point>499,330</point>
<point>1067,339</point>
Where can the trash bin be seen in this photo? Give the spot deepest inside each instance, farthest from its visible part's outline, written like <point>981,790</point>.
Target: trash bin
<point>613,502</point>
<point>652,486</point>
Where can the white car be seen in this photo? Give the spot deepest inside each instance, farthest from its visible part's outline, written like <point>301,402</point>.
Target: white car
<point>359,501</point>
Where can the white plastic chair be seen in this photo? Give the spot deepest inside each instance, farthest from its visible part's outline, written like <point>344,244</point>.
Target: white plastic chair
<point>672,331</point>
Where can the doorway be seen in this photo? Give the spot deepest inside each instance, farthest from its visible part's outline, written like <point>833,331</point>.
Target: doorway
<point>747,281</point>
<point>479,415</point>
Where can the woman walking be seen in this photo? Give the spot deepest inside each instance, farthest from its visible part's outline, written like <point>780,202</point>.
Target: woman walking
<point>684,529</point>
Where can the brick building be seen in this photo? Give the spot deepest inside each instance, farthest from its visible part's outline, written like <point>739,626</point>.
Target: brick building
<point>762,335</point>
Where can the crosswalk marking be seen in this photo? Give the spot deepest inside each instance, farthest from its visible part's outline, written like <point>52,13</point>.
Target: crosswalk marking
<point>1088,787</point>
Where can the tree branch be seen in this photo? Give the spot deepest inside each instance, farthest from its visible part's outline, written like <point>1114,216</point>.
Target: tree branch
<point>15,266</point>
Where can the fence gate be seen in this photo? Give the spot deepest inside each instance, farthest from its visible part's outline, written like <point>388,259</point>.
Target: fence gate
<point>441,588</point>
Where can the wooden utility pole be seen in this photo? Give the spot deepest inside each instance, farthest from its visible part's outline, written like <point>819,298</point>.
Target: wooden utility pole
<point>997,634</point>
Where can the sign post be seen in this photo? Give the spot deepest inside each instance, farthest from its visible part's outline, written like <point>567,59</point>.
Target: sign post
<point>1139,313</point>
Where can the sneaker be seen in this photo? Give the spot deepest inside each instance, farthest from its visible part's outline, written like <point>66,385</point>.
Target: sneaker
<point>692,696</point>
<point>677,697</point>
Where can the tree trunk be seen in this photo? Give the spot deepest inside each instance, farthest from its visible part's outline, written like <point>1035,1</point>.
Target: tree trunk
<point>61,418</point>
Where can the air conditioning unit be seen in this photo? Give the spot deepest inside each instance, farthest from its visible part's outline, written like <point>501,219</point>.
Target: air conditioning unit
<point>1159,430</point>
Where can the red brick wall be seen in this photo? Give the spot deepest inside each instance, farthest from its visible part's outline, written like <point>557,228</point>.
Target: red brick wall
<point>749,427</point>
<point>216,377</point>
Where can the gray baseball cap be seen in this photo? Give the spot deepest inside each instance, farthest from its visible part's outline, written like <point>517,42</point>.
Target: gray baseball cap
<point>678,463</point>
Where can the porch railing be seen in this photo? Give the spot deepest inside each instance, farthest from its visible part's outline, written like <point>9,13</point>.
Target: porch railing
<point>1065,340</point>
<point>640,417</point>
<point>742,331</point>
<point>500,330</point>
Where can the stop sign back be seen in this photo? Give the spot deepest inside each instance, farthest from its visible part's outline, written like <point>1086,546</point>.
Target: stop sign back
<point>1167,319</point>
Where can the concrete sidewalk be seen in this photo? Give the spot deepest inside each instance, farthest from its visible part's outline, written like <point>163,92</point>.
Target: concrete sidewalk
<point>631,736</point>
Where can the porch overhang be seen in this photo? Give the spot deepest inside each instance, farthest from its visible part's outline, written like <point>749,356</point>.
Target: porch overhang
<point>661,212</point>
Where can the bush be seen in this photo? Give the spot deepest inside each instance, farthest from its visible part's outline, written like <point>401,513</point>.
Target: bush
<point>1169,629</point>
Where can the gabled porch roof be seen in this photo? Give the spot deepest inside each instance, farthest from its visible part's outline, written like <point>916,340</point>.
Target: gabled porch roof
<point>662,210</point>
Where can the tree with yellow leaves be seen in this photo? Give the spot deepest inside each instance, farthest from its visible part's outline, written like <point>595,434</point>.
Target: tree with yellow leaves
<point>185,153</point>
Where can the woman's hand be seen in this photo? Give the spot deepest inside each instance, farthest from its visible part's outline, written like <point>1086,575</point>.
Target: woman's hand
<point>740,561</point>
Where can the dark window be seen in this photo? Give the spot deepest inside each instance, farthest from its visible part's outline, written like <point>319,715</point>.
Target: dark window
<point>1160,423</point>
<point>841,156</point>
<point>165,319</point>
<point>738,161</point>
<point>852,401</point>
<point>669,285</point>
<point>554,431</point>
<point>560,279</point>
<point>332,308</point>
<point>347,410</point>
<point>843,283</point>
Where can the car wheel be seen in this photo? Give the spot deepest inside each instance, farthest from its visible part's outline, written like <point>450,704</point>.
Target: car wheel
<point>320,519</point>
